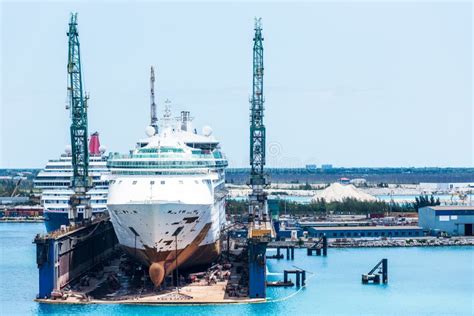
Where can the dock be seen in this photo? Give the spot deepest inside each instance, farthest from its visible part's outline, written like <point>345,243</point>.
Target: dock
<point>64,256</point>
<point>121,280</point>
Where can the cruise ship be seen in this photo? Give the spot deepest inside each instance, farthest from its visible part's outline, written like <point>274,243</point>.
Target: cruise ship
<point>54,181</point>
<point>167,197</point>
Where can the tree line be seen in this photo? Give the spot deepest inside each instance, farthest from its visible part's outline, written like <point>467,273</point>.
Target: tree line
<point>347,206</point>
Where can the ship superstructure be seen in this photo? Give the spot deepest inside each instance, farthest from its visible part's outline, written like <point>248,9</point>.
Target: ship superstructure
<point>54,181</point>
<point>166,197</point>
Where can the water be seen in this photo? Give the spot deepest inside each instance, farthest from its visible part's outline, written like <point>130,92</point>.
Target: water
<point>422,281</point>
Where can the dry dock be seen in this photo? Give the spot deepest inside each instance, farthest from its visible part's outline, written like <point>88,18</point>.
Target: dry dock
<point>118,279</point>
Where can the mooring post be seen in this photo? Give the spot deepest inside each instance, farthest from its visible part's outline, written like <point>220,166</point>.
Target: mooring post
<point>292,253</point>
<point>287,253</point>
<point>325,245</point>
<point>285,276</point>
<point>303,278</point>
<point>384,270</point>
<point>297,278</point>
<point>278,252</point>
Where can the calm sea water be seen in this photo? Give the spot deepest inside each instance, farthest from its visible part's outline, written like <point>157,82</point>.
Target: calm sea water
<point>422,281</point>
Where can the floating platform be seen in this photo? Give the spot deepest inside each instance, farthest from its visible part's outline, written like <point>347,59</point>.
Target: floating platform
<point>122,280</point>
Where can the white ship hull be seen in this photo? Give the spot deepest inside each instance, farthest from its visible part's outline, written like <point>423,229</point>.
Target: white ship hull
<point>174,221</point>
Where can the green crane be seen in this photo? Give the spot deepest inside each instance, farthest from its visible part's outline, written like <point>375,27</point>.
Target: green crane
<point>260,230</point>
<point>258,180</point>
<point>78,106</point>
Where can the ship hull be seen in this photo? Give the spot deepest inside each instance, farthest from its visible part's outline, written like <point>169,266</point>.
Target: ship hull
<point>165,235</point>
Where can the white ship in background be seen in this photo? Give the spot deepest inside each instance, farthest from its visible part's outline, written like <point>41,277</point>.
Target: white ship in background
<point>167,197</point>
<point>54,181</point>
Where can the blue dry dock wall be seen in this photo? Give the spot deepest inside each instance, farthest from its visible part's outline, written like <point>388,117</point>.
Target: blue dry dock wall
<point>257,270</point>
<point>45,259</point>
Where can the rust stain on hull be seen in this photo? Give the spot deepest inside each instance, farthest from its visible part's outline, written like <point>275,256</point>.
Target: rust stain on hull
<point>163,263</point>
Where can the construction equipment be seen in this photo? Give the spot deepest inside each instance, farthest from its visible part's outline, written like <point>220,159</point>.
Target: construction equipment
<point>78,105</point>
<point>153,118</point>
<point>260,230</point>
<point>17,185</point>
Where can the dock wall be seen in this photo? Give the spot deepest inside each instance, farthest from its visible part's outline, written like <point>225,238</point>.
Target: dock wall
<point>65,257</point>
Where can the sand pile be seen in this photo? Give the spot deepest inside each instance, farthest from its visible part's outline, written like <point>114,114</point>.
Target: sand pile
<point>340,192</point>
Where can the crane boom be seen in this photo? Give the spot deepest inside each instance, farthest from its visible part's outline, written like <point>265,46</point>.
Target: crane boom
<point>258,208</point>
<point>78,106</point>
<point>257,128</point>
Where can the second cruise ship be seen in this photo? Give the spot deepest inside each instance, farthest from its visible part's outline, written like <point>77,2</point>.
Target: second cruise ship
<point>54,181</point>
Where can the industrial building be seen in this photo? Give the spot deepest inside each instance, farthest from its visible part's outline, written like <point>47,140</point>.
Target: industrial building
<point>353,232</point>
<point>366,231</point>
<point>456,220</point>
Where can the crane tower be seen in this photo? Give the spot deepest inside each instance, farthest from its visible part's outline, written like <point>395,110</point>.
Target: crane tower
<point>260,230</point>
<point>258,205</point>
<point>78,106</point>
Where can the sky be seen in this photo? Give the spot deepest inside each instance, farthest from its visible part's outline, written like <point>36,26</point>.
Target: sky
<point>353,84</point>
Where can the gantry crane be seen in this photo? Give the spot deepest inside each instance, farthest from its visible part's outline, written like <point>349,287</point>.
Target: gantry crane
<point>78,105</point>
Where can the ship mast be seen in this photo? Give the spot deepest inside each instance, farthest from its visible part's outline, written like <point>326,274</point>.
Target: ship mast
<point>154,119</point>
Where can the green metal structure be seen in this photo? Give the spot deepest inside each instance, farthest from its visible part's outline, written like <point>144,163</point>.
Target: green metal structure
<point>257,128</point>
<point>78,106</point>
<point>258,199</point>
<point>260,227</point>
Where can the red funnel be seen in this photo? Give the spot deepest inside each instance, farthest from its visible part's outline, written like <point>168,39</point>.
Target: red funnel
<point>94,144</point>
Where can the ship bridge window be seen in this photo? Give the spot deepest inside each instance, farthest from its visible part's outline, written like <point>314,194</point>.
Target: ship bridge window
<point>180,181</point>
<point>152,182</point>
<point>162,182</point>
<point>134,182</point>
<point>196,181</point>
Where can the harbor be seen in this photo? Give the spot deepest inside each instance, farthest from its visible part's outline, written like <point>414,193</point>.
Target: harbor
<point>156,192</point>
<point>331,279</point>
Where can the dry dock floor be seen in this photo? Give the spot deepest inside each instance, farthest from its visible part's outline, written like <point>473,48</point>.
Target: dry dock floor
<point>189,294</point>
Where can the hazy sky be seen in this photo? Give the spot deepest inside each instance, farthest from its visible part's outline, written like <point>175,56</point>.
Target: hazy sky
<point>352,84</point>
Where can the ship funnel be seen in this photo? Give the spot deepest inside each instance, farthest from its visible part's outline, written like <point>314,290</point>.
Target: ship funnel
<point>94,144</point>
<point>185,119</point>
